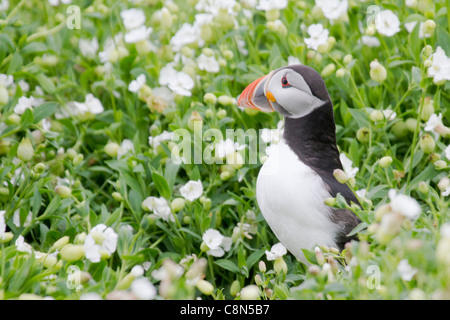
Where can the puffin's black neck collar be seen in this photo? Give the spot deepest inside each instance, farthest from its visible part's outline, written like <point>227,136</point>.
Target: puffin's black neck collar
<point>313,140</point>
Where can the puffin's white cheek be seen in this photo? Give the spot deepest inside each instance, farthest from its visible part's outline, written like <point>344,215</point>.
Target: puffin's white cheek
<point>299,104</point>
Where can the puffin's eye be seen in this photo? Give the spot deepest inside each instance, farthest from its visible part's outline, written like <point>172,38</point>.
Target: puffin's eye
<point>284,82</point>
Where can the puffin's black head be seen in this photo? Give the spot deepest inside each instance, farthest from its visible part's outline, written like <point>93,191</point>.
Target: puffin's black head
<point>294,91</point>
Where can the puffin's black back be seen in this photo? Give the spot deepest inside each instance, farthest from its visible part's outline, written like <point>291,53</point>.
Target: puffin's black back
<point>313,139</point>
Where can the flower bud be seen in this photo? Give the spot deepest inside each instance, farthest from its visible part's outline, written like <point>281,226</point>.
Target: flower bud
<point>443,184</point>
<point>250,292</point>
<point>222,113</point>
<point>376,115</point>
<point>78,159</point>
<point>423,187</point>
<point>273,14</point>
<point>363,134</point>
<point>209,98</point>
<point>340,73</point>
<point>235,288</point>
<point>71,252</point>
<point>262,266</point>
<point>331,202</point>
<point>117,196</point>
<point>7,236</point>
<point>314,270</point>
<point>377,71</point>
<point>428,27</point>
<point>4,97</point>
<point>400,129</point>
<point>258,280</point>
<point>63,191</point>
<point>411,124</point>
<point>25,150</point>
<point>39,167</point>
<point>440,164</point>
<point>111,149</point>
<point>328,70</point>
<point>427,143</point>
<point>385,161</point>
<point>340,175</point>
<point>205,287</point>
<point>60,243</point>
<point>207,204</point>
<point>280,265</point>
<point>225,175</point>
<point>319,256</point>
<point>348,58</point>
<point>177,204</point>
<point>427,50</point>
<point>427,109</point>
<point>194,120</point>
<point>226,100</point>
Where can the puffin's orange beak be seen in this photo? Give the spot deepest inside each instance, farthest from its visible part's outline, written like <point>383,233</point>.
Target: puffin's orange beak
<point>254,97</point>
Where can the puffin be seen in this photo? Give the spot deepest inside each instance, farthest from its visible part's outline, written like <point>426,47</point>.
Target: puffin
<point>297,177</point>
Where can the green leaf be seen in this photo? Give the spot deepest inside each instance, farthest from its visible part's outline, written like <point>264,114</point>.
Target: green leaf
<point>15,64</point>
<point>34,47</point>
<point>43,111</point>
<point>228,265</point>
<point>358,228</point>
<point>310,256</point>
<point>254,257</point>
<point>27,118</point>
<point>161,185</point>
<point>45,82</point>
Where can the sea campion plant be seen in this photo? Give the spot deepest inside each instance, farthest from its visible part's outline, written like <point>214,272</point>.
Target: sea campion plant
<point>95,97</point>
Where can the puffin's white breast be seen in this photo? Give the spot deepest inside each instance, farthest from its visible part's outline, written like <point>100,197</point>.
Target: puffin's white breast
<point>291,198</point>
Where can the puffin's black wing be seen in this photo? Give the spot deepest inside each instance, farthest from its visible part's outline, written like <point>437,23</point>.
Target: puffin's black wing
<point>344,218</point>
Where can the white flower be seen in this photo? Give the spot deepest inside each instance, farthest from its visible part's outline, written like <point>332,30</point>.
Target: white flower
<point>333,9</point>
<point>88,47</point>
<point>406,271</point>
<point>6,80</point>
<point>208,64</point>
<point>160,207</point>
<point>25,103</point>
<point>137,84</point>
<point>389,114</point>
<point>125,147</point>
<point>440,67</point>
<point>277,251</point>
<point>293,60</point>
<point>216,242</point>
<point>267,5</point>
<point>132,18</point>
<point>387,23</point>
<point>405,205</point>
<point>2,224</point>
<point>192,190</point>
<point>4,5</point>
<point>347,165</point>
<point>93,104</point>
<point>447,152</point>
<point>361,193</point>
<point>137,271</point>
<point>318,36</point>
<point>155,141</point>
<point>187,34</point>
<point>177,81</point>
<point>22,246</point>
<point>16,219</point>
<point>434,122</point>
<point>143,289</point>
<point>101,240</point>
<point>226,147</point>
<point>409,26</point>
<point>370,41</point>
<point>446,192</point>
<point>137,35</point>
<point>56,3</point>
<point>112,50</point>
